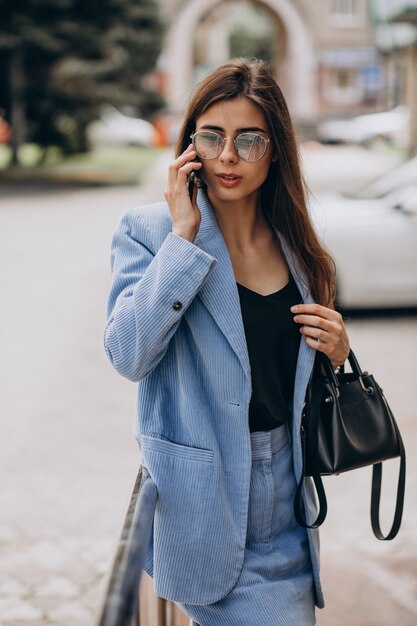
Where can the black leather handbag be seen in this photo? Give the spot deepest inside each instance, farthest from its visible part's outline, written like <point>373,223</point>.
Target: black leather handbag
<point>347,424</point>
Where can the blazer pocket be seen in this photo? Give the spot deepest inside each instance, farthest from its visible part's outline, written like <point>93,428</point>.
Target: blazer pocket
<point>180,451</point>
<point>197,550</point>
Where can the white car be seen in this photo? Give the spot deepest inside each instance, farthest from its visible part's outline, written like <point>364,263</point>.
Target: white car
<point>372,237</point>
<point>390,126</point>
<point>115,129</point>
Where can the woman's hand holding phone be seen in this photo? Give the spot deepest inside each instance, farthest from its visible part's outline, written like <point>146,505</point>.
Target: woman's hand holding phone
<point>181,195</point>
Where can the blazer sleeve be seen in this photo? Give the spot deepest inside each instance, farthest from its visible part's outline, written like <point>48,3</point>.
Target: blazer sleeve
<point>151,289</point>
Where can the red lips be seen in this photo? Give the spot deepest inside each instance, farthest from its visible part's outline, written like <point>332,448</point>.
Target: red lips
<point>230,176</point>
<point>228,180</point>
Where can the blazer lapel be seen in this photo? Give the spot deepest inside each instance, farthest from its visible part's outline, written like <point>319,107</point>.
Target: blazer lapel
<point>306,354</point>
<point>221,282</point>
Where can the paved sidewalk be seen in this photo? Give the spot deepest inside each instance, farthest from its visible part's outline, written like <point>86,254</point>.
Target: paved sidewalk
<point>68,460</point>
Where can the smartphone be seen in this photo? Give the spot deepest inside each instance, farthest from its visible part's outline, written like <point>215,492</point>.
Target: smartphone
<point>191,184</point>
<point>193,180</point>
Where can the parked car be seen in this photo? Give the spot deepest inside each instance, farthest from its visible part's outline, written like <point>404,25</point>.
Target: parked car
<point>115,129</point>
<point>390,126</point>
<point>372,236</point>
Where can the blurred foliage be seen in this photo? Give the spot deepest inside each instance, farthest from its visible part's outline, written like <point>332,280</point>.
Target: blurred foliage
<point>61,59</point>
<point>244,43</point>
<point>102,166</point>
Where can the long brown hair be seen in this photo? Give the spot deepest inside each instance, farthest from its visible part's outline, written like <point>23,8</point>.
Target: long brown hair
<point>283,194</point>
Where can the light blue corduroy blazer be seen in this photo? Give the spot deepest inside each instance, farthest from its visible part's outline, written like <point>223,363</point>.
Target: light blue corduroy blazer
<point>175,327</point>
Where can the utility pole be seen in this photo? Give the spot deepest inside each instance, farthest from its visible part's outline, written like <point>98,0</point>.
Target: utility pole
<point>18,116</point>
<point>408,14</point>
<point>412,95</point>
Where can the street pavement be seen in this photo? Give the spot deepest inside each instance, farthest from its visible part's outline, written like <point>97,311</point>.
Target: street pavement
<point>68,459</point>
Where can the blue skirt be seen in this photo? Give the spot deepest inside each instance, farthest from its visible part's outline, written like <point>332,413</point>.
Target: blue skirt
<point>275,587</point>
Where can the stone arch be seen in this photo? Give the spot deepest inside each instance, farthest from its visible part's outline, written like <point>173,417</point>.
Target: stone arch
<point>299,71</point>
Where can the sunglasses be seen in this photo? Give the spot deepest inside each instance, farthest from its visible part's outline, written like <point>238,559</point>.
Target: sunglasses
<point>250,147</point>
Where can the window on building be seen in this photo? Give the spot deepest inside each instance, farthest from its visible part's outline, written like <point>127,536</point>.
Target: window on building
<point>343,7</point>
<point>342,79</point>
<point>341,86</point>
<point>348,13</point>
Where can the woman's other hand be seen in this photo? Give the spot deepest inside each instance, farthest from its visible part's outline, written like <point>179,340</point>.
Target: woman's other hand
<point>185,212</point>
<point>323,330</point>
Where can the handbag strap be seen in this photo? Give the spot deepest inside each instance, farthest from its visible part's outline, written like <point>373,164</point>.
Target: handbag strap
<point>315,401</point>
<point>376,495</point>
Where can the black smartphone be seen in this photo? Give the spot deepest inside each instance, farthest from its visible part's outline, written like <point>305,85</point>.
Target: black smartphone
<point>192,182</point>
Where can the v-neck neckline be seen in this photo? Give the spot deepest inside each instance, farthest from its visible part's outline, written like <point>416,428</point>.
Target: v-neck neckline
<point>267,295</point>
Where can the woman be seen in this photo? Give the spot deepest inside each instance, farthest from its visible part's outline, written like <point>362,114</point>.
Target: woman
<point>217,307</point>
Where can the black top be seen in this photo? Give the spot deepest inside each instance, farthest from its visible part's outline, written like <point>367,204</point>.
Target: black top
<point>273,340</point>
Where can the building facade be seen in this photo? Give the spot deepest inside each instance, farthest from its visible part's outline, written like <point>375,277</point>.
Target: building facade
<point>326,60</point>
<point>397,27</point>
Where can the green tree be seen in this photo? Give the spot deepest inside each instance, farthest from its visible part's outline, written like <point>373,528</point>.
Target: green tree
<point>244,43</point>
<point>61,59</point>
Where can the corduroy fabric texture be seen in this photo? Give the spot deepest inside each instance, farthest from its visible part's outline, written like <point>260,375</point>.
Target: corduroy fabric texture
<point>275,586</point>
<point>175,327</point>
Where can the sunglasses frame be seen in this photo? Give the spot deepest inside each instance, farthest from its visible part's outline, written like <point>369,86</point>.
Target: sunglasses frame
<point>224,139</point>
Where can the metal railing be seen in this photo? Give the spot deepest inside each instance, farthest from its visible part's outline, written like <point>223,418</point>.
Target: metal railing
<point>121,602</point>
<point>122,599</point>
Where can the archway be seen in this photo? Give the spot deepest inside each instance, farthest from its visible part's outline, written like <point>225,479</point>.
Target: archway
<point>297,78</point>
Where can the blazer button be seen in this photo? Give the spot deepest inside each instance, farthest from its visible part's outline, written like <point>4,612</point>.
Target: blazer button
<point>177,305</point>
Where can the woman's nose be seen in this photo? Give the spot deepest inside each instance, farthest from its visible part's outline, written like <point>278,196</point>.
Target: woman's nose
<point>229,154</point>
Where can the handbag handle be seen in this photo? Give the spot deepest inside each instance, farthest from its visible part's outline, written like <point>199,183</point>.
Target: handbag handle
<point>355,367</point>
<point>330,372</point>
